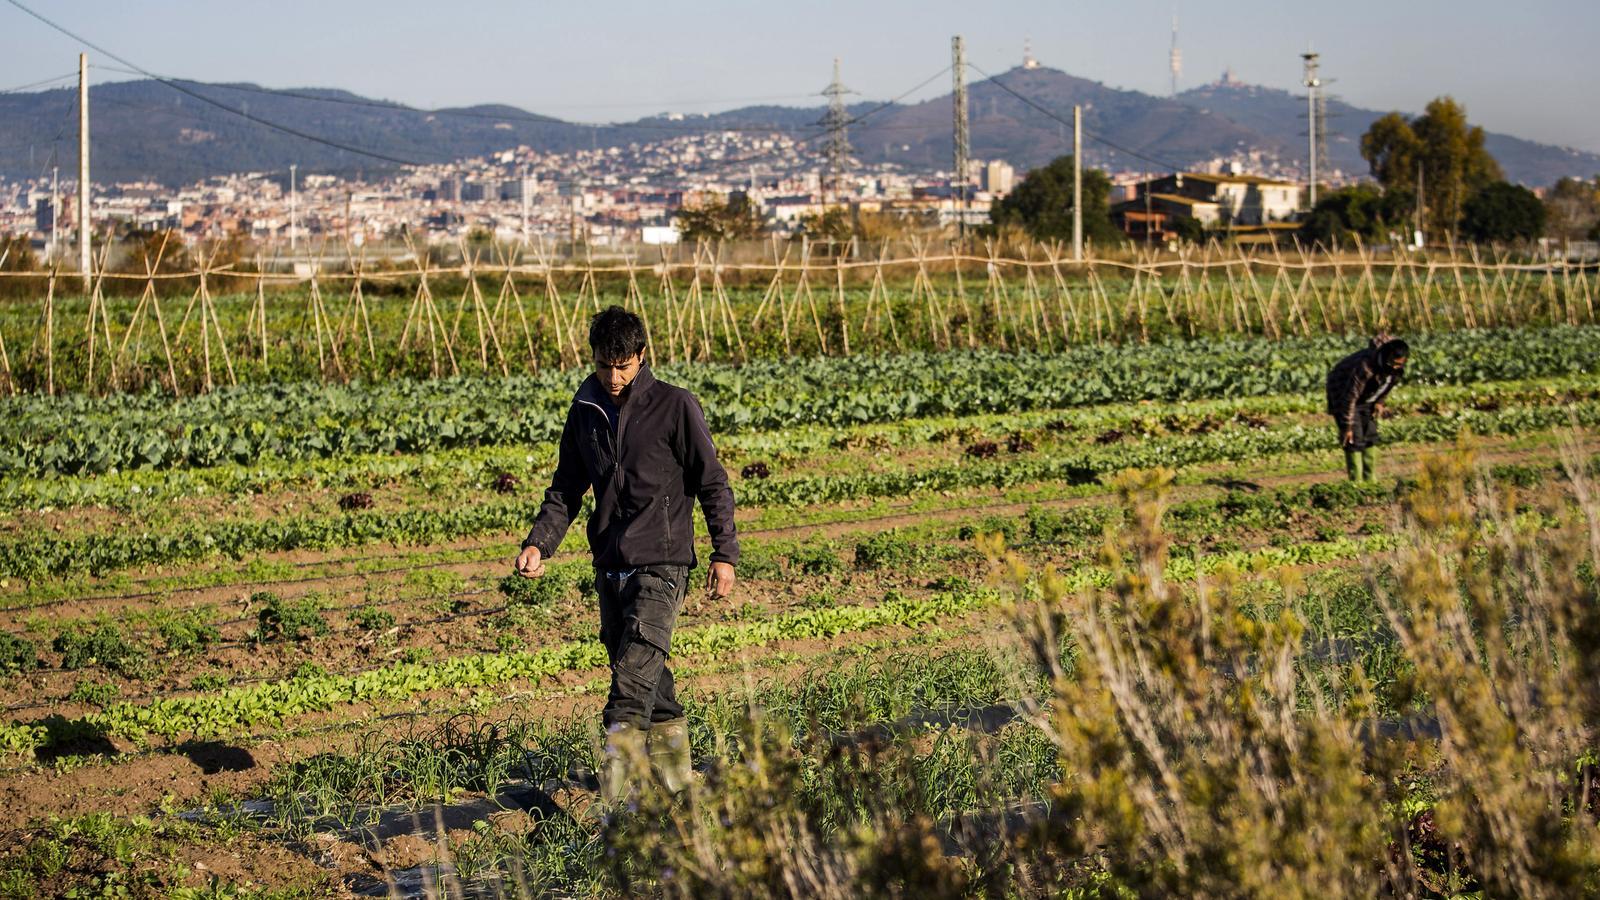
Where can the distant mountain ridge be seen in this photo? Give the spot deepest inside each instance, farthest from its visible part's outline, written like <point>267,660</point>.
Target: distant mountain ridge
<point>144,130</point>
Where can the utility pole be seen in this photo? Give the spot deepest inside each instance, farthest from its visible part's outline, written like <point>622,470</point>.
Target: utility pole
<point>1077,183</point>
<point>958,182</point>
<point>527,189</point>
<point>1312,82</point>
<point>1422,216</point>
<point>1148,184</point>
<point>293,200</point>
<point>836,121</point>
<point>84,234</point>
<point>55,210</point>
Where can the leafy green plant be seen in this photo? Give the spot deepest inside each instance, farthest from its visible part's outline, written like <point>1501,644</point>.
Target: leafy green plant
<point>209,681</point>
<point>815,559</point>
<point>102,646</point>
<point>94,693</point>
<point>372,618</point>
<point>292,620</point>
<point>17,654</point>
<point>189,633</point>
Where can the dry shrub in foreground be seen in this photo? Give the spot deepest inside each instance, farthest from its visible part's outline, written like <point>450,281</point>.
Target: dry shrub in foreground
<point>1200,760</point>
<point>1215,753</point>
<point>1212,748</point>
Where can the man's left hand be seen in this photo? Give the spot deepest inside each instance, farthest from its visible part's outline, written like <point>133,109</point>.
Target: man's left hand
<point>719,581</point>
<point>1379,412</point>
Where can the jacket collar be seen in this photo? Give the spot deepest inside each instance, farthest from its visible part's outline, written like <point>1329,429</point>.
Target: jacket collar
<point>591,391</point>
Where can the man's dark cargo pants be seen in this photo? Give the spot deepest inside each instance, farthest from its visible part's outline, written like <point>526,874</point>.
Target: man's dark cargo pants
<point>638,608</point>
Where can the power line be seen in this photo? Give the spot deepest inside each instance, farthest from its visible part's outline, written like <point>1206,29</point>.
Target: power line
<point>34,84</point>
<point>1052,114</point>
<point>295,132</point>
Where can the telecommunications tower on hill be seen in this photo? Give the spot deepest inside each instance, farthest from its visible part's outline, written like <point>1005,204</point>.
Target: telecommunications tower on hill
<point>1175,58</point>
<point>836,120</point>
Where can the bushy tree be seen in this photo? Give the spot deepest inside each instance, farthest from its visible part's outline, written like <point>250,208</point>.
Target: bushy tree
<point>1189,229</point>
<point>1572,208</point>
<point>161,252</point>
<point>1363,210</point>
<point>16,254</point>
<point>1448,151</point>
<point>832,224</point>
<point>722,220</point>
<point>1042,204</point>
<point>1502,213</point>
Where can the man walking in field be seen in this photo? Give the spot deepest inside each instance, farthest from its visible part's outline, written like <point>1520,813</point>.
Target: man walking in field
<point>1357,385</point>
<point>644,446</point>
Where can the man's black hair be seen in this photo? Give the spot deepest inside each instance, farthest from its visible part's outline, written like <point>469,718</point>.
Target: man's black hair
<point>615,335</point>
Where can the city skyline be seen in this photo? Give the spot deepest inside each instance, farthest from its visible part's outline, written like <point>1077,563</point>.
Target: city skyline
<point>646,60</point>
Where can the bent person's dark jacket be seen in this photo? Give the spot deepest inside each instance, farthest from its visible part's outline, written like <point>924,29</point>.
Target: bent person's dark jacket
<point>646,476</point>
<point>1356,384</point>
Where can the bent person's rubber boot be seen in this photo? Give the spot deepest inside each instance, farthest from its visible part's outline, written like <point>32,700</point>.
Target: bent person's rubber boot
<point>1369,464</point>
<point>1352,463</point>
<point>669,753</point>
<point>622,750</point>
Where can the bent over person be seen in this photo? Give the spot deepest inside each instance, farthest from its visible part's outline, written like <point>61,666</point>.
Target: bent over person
<point>644,446</point>
<point>1357,385</point>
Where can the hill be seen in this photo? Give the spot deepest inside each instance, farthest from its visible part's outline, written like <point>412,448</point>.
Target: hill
<point>145,130</point>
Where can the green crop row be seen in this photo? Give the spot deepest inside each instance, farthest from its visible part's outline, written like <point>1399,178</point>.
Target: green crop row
<point>79,434</point>
<point>1088,464</point>
<point>236,710</point>
<point>478,468</point>
<point>33,558</point>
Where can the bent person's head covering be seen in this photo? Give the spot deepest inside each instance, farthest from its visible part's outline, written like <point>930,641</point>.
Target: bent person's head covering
<point>1392,350</point>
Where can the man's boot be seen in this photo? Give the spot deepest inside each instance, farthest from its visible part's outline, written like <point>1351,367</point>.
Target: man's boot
<point>669,753</point>
<point>1369,464</point>
<point>1352,463</point>
<point>622,749</point>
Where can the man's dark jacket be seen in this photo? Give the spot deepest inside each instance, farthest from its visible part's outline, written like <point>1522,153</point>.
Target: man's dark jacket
<point>646,473</point>
<point>1357,383</point>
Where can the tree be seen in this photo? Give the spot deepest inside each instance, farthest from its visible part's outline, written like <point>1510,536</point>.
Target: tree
<point>1189,229</point>
<point>1447,151</point>
<point>1502,213</point>
<point>16,254</point>
<point>832,224</point>
<point>1042,204</point>
<point>1572,208</point>
<point>1363,210</point>
<point>722,220</point>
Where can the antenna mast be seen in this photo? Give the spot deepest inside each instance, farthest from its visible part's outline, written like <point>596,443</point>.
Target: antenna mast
<point>1175,58</point>
<point>958,181</point>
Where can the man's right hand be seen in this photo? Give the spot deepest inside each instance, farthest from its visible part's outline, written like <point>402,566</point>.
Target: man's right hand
<point>1349,438</point>
<point>530,563</point>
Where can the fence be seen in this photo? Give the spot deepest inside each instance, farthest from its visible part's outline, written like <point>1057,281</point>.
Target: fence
<point>499,311</point>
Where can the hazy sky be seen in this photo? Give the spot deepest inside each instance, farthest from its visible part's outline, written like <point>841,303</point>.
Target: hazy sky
<point>1526,68</point>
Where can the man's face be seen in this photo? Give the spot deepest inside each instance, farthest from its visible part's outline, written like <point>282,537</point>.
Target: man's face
<point>1398,364</point>
<point>616,375</point>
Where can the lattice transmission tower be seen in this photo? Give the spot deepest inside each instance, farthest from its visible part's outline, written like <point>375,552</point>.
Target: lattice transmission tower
<point>837,151</point>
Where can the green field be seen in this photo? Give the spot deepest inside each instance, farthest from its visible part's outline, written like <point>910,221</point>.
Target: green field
<point>1083,617</point>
